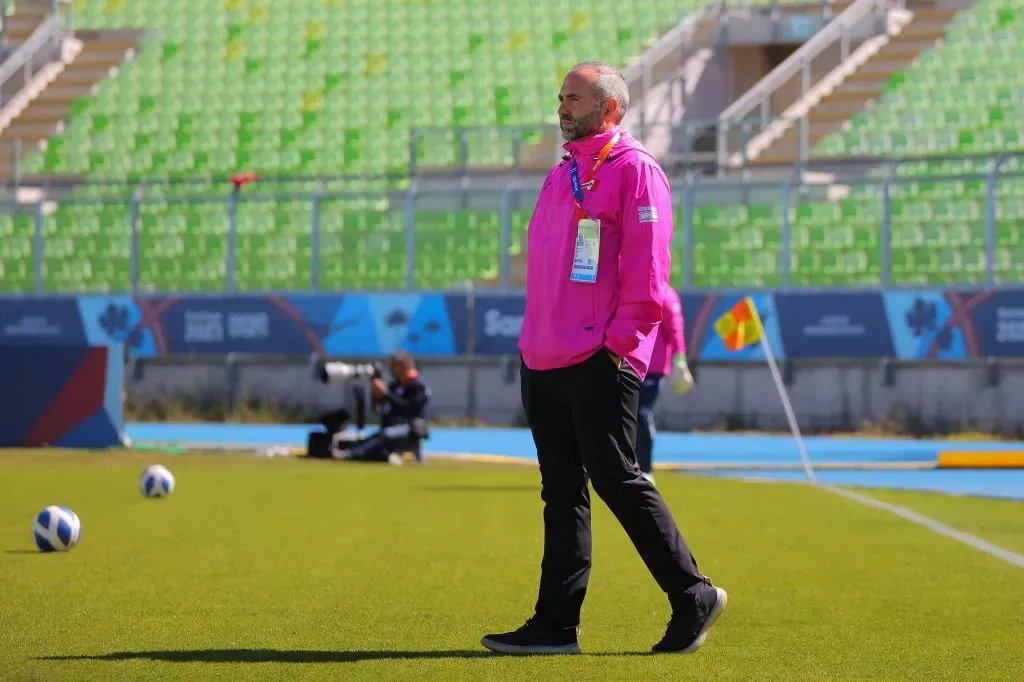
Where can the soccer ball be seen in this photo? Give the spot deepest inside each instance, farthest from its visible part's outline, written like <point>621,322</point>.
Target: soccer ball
<point>156,481</point>
<point>56,529</point>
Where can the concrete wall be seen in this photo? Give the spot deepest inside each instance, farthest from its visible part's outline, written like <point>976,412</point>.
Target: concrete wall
<point>824,396</point>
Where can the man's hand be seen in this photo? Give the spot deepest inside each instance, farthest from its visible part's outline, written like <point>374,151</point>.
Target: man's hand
<point>378,388</point>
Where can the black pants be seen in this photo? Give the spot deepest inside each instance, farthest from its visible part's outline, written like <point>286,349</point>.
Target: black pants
<point>645,421</point>
<point>377,447</point>
<point>584,424</point>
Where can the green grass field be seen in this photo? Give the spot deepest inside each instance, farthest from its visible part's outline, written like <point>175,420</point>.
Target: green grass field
<point>274,569</point>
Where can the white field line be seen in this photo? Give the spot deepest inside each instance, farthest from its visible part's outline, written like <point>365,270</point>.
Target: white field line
<point>934,526</point>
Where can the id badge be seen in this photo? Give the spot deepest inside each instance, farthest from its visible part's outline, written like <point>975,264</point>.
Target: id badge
<point>588,248</point>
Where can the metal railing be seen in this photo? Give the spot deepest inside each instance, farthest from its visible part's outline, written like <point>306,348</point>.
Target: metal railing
<point>24,60</point>
<point>41,49</point>
<point>470,153</point>
<point>661,62</point>
<point>704,26</point>
<point>536,147</point>
<point>517,146</point>
<point>758,99</point>
<point>788,234</point>
<point>454,151</point>
<point>61,8</point>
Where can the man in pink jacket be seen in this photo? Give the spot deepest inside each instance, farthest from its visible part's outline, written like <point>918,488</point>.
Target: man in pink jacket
<point>597,269</point>
<point>668,359</point>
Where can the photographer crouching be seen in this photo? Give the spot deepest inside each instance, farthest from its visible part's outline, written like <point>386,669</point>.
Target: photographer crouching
<point>403,415</point>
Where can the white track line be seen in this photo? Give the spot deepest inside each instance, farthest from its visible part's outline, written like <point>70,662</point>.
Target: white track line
<point>934,526</point>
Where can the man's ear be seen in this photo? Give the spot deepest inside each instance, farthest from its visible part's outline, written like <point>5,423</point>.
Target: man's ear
<point>611,110</point>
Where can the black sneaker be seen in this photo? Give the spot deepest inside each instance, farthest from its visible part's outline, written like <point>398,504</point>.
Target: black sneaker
<point>535,638</point>
<point>680,635</point>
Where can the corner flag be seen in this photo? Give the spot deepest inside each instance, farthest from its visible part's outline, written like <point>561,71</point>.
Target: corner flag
<point>741,327</point>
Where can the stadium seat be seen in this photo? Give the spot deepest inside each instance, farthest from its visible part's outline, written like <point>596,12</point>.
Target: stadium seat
<point>303,88</point>
<point>938,228</point>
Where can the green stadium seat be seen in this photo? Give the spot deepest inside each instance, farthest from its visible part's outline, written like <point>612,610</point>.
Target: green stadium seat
<point>938,228</point>
<point>303,88</point>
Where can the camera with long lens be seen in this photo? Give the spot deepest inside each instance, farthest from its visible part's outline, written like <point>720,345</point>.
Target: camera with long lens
<point>354,380</point>
<point>338,372</point>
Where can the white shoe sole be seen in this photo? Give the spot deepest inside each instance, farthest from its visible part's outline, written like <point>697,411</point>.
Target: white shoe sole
<point>500,648</point>
<point>716,611</point>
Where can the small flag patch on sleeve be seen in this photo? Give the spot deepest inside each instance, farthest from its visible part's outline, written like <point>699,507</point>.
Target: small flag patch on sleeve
<point>648,214</point>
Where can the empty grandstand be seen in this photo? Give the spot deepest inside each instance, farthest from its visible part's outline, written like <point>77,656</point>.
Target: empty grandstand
<point>392,144</point>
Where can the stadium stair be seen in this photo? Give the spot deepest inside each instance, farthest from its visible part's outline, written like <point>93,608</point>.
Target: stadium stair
<point>89,58</point>
<point>676,63</point>
<point>25,19</point>
<point>849,90</point>
<point>963,97</point>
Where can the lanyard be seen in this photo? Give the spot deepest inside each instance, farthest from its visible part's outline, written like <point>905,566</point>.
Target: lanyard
<point>574,175</point>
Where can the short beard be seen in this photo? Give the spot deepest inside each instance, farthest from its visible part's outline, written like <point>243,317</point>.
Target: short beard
<point>583,127</point>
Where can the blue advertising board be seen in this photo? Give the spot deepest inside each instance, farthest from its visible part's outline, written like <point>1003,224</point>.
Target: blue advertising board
<point>497,322</point>
<point>263,325</point>
<point>994,322</point>
<point>851,325</point>
<point>922,326</point>
<point>919,325</point>
<point>47,322</point>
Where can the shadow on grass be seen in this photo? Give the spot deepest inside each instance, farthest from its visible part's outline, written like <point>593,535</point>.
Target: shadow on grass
<point>268,656</point>
<point>26,551</point>
<point>292,656</point>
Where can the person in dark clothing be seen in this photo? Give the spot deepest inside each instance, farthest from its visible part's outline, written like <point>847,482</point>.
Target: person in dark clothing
<point>668,360</point>
<point>403,407</point>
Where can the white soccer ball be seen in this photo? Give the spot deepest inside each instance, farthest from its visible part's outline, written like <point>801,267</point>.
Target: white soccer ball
<point>56,529</point>
<point>156,481</point>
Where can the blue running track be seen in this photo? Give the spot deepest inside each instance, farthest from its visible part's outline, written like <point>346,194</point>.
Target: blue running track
<point>674,449</point>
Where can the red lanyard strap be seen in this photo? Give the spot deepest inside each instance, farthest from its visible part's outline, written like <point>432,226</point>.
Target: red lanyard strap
<point>574,177</point>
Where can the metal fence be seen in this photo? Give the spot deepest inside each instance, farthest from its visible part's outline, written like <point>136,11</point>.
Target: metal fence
<point>689,143</point>
<point>469,150</point>
<point>972,203</point>
<point>712,144</point>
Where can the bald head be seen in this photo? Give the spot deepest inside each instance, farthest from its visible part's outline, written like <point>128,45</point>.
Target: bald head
<point>594,98</point>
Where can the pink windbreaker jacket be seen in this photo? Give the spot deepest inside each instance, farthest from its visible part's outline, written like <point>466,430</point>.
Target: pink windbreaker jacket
<point>670,335</point>
<point>567,322</point>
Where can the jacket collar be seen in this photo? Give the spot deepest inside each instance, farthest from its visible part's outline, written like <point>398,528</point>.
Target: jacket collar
<point>591,146</point>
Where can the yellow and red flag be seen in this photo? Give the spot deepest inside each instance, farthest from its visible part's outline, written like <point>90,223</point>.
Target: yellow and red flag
<point>741,326</point>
